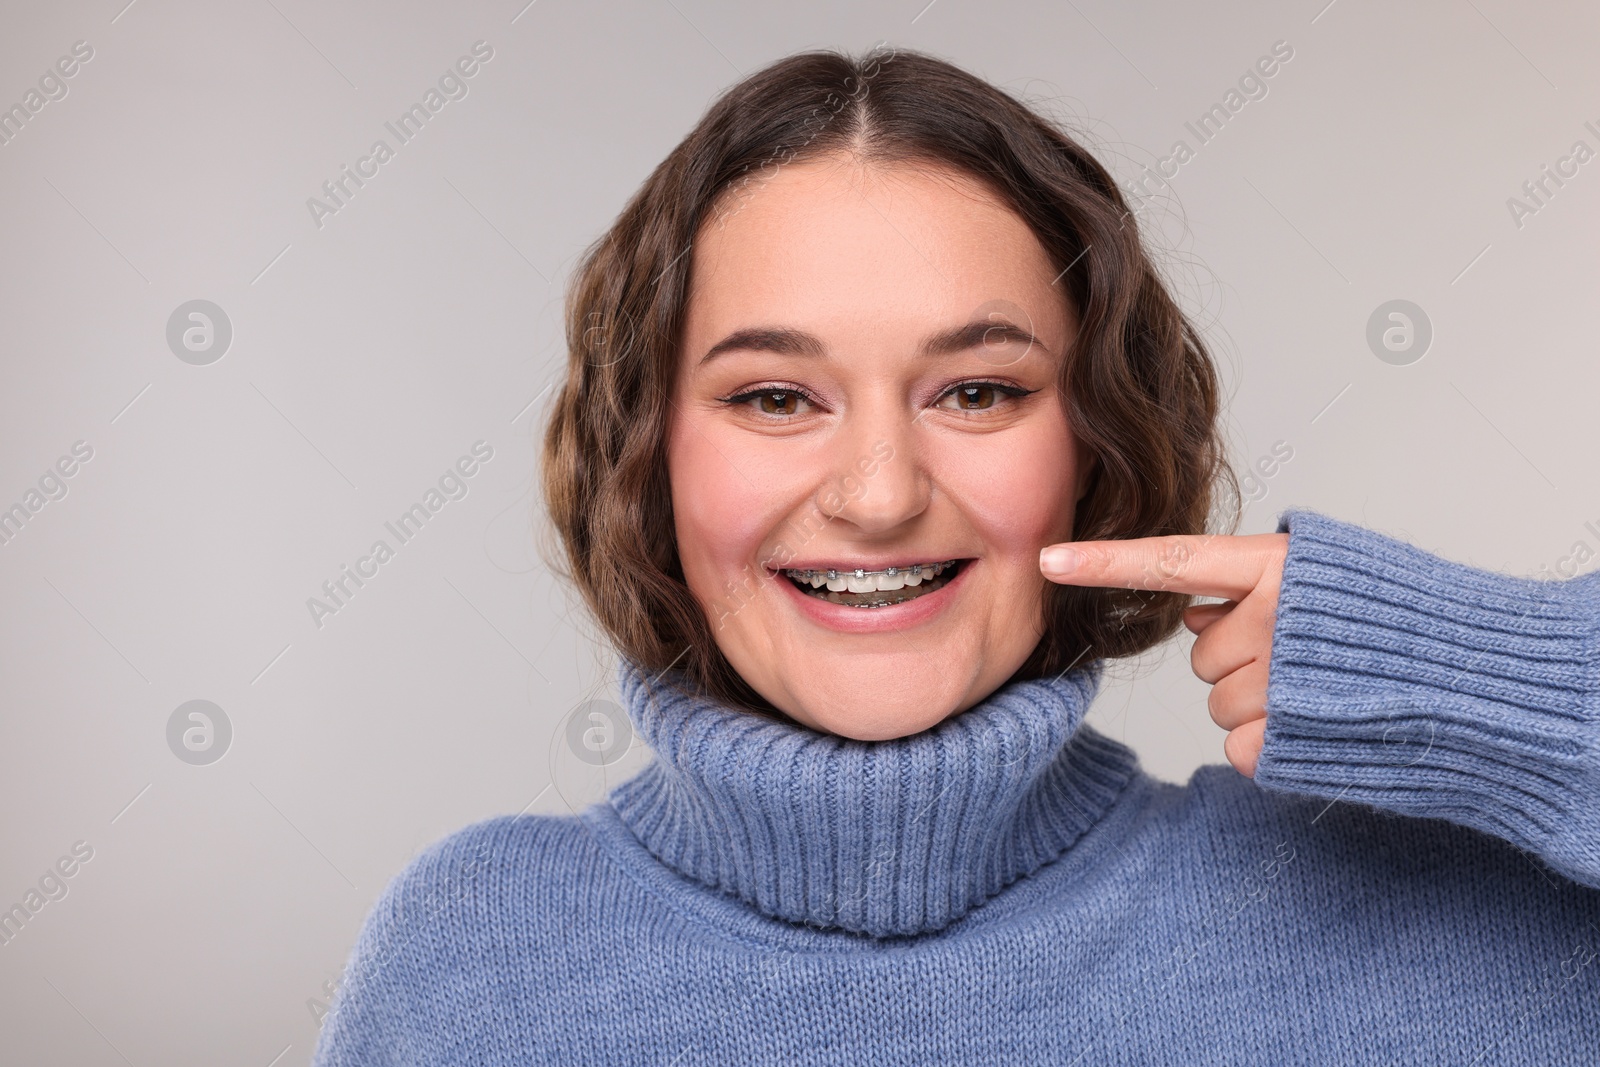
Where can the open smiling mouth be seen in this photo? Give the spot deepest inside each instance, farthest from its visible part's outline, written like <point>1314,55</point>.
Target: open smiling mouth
<point>876,589</point>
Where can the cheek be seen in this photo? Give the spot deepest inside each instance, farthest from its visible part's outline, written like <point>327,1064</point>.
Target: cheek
<point>720,512</point>
<point>1020,496</point>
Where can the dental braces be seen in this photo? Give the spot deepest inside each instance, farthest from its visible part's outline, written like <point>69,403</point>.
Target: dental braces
<point>859,572</point>
<point>881,603</point>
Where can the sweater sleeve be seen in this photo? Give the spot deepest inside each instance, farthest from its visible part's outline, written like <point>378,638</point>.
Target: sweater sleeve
<point>363,1028</point>
<point>1429,688</point>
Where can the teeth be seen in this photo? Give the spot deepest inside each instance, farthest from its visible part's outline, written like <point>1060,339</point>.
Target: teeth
<point>887,579</point>
<point>860,583</point>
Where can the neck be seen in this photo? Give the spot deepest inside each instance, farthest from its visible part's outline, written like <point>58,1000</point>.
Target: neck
<point>883,838</point>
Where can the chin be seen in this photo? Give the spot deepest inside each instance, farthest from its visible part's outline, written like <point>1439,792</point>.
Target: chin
<point>905,714</point>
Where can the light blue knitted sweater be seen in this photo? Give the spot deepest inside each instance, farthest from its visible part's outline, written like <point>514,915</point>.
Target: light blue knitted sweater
<point>1413,875</point>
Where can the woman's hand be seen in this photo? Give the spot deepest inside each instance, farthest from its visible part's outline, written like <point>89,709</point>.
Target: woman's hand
<point>1234,642</point>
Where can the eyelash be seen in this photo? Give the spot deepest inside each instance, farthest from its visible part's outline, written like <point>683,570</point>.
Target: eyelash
<point>1012,391</point>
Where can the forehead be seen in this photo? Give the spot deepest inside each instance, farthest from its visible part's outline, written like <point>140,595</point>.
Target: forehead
<point>836,239</point>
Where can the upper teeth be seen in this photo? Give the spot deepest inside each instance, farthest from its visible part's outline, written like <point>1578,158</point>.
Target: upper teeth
<point>861,580</point>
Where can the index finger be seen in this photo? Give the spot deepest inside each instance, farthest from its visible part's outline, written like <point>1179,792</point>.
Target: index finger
<point>1216,565</point>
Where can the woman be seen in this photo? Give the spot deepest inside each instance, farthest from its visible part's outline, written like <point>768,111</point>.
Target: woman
<point>871,338</point>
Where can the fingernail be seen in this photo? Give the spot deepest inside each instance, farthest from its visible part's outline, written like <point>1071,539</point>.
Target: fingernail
<point>1058,559</point>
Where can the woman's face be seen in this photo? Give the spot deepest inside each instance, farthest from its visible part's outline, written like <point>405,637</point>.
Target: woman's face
<point>857,388</point>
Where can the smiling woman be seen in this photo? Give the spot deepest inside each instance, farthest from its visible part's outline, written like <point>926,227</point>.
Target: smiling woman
<point>940,270</point>
<point>866,478</point>
<point>985,466</point>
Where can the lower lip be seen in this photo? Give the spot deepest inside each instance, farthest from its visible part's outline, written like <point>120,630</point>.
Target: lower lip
<point>851,620</point>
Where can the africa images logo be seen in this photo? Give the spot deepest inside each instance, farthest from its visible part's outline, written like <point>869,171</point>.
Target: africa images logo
<point>452,85</point>
<point>451,485</point>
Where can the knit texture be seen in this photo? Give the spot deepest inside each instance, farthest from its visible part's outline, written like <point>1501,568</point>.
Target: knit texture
<point>916,839</point>
<point>1423,686</point>
<point>1412,876</point>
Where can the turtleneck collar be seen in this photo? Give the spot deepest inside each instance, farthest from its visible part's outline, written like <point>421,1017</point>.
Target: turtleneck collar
<point>885,838</point>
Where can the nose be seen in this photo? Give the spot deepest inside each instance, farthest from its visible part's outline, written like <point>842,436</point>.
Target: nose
<point>877,480</point>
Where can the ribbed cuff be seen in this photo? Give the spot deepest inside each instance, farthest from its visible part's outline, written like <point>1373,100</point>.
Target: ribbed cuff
<point>1422,686</point>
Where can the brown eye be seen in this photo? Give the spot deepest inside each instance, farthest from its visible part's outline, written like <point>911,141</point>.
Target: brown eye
<point>974,397</point>
<point>779,403</point>
<point>770,402</point>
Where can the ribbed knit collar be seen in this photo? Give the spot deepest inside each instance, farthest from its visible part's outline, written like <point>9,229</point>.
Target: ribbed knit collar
<point>884,838</point>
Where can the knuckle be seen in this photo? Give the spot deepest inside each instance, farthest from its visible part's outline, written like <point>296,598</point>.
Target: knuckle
<point>1173,555</point>
<point>1092,559</point>
<point>1214,705</point>
<point>1202,659</point>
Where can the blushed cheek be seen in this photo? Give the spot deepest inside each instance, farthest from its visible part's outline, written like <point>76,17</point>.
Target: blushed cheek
<point>720,518</point>
<point>1019,499</point>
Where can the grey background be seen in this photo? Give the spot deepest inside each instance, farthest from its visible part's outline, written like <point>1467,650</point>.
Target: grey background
<point>368,354</point>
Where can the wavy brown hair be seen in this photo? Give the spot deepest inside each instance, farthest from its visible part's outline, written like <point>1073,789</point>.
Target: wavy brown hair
<point>1139,384</point>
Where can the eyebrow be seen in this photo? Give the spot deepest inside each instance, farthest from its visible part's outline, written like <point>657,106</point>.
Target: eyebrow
<point>791,342</point>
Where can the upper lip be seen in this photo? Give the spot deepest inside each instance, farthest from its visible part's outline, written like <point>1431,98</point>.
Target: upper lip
<point>883,563</point>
